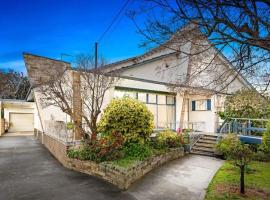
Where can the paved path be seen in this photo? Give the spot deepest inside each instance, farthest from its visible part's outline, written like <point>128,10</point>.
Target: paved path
<point>28,171</point>
<point>185,178</point>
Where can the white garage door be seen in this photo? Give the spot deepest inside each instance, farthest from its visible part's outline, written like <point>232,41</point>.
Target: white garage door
<point>21,122</point>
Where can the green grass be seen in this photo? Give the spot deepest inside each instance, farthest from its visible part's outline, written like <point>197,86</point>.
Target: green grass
<point>257,182</point>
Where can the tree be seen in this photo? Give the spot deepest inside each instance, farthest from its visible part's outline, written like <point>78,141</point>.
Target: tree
<point>265,146</point>
<point>238,29</point>
<point>236,152</point>
<point>246,104</point>
<point>84,88</point>
<point>13,85</point>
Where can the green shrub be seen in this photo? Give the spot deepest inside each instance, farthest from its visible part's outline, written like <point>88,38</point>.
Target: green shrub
<point>82,153</point>
<point>260,156</point>
<point>128,117</point>
<point>137,150</point>
<point>265,146</point>
<point>169,139</point>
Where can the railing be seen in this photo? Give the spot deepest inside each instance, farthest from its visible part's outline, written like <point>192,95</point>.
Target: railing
<point>194,126</point>
<point>243,126</point>
<point>58,130</point>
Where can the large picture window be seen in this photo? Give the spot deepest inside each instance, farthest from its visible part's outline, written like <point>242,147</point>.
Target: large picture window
<point>161,105</point>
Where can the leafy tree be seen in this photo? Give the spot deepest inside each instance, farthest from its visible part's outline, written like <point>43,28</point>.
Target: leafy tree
<point>237,153</point>
<point>246,104</point>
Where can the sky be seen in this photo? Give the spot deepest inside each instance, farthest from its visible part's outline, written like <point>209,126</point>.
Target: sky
<point>54,27</point>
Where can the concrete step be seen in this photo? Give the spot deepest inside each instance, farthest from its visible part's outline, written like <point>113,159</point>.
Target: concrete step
<point>207,145</point>
<point>202,153</point>
<point>204,149</point>
<point>209,138</point>
<point>206,141</point>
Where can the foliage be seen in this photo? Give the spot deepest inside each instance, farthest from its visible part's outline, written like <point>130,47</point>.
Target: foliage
<point>257,179</point>
<point>108,148</point>
<point>239,154</point>
<point>70,126</point>
<point>265,146</point>
<point>169,139</point>
<point>104,149</point>
<point>82,152</point>
<point>246,104</point>
<point>13,85</point>
<point>128,117</point>
<point>137,150</point>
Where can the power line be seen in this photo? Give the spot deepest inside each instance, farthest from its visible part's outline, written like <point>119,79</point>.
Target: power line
<point>114,19</point>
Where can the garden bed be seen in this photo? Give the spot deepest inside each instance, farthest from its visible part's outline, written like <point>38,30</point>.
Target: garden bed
<point>123,175</point>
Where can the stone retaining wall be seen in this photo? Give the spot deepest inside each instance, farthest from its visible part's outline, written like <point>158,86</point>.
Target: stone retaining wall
<point>121,177</point>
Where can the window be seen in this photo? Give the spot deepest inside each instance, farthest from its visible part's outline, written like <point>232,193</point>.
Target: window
<point>121,94</point>
<point>200,105</point>
<point>161,99</point>
<point>170,100</point>
<point>152,98</point>
<point>142,97</point>
<point>161,105</point>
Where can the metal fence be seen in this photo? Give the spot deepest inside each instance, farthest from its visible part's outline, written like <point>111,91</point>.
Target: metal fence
<point>58,130</point>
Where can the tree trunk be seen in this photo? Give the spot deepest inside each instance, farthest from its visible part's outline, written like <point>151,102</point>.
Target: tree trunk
<point>242,179</point>
<point>93,129</point>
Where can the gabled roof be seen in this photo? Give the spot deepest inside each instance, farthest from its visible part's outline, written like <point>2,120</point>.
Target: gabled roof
<point>168,45</point>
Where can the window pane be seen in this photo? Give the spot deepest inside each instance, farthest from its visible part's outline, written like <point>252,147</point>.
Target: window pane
<point>153,109</point>
<point>161,99</point>
<point>162,116</point>
<point>201,105</point>
<point>130,94</point>
<point>170,100</point>
<point>171,117</point>
<point>118,94</point>
<point>142,97</point>
<point>152,98</point>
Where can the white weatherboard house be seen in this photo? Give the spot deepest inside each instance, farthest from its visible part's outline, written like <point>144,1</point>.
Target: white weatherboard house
<point>150,78</point>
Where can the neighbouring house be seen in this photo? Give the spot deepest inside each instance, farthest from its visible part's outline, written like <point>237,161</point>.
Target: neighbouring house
<point>161,79</point>
<point>16,116</point>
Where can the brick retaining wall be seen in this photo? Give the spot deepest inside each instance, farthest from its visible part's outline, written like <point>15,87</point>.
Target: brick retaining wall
<point>121,177</point>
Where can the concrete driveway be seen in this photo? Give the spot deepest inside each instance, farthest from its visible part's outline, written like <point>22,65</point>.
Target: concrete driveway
<point>28,171</point>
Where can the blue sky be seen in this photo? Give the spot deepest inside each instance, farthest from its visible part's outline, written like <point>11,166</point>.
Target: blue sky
<point>52,27</point>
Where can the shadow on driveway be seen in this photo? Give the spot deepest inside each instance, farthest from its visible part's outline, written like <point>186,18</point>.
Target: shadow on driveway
<point>28,171</point>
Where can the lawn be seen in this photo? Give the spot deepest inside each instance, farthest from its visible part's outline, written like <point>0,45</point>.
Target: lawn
<point>225,184</point>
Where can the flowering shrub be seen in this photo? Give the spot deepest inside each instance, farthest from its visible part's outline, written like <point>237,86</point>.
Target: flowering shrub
<point>128,117</point>
<point>169,139</point>
<point>104,149</point>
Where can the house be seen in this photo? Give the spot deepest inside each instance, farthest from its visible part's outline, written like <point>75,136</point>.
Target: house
<point>161,78</point>
<point>16,116</point>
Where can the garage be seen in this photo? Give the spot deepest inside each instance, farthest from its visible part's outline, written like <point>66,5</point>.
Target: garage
<point>21,122</point>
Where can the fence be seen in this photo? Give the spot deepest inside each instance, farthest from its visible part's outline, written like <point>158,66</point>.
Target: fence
<point>58,130</point>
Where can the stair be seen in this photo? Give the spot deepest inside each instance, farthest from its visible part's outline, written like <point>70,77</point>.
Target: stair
<point>205,145</point>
